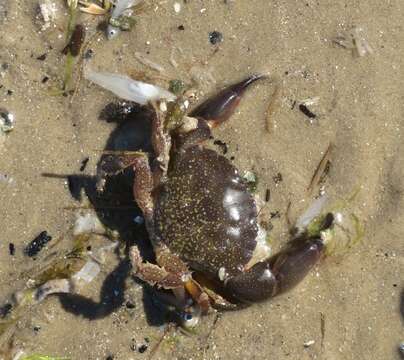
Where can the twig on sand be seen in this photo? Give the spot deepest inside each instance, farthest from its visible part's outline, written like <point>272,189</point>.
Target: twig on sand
<point>321,169</point>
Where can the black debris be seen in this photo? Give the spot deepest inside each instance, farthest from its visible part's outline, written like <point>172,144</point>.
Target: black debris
<point>5,310</point>
<point>88,54</point>
<point>304,109</point>
<point>142,348</point>
<point>37,328</point>
<point>36,245</point>
<point>42,57</point>
<point>267,195</point>
<point>130,305</point>
<point>278,178</point>
<point>10,92</point>
<point>76,40</point>
<point>109,357</point>
<point>44,79</point>
<point>84,163</point>
<point>181,27</point>
<point>215,37</point>
<point>275,215</point>
<point>11,249</point>
<point>223,146</point>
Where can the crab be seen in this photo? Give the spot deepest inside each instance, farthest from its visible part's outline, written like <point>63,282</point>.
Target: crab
<point>202,221</point>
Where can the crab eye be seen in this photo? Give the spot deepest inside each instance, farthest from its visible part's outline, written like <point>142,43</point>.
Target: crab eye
<point>188,317</point>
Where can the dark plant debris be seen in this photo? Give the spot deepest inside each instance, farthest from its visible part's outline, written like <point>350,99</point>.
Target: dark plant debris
<point>306,111</point>
<point>84,163</point>
<point>215,37</point>
<point>36,245</point>
<point>11,249</point>
<point>222,145</point>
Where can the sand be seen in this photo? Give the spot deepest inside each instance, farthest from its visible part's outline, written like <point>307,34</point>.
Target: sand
<point>350,305</point>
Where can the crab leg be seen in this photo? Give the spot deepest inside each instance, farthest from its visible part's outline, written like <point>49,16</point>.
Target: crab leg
<point>277,274</point>
<point>221,106</point>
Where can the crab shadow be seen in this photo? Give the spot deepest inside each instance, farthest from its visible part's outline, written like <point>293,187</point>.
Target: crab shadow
<point>117,210</point>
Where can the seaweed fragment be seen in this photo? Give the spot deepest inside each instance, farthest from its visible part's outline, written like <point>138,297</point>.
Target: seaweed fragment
<point>36,245</point>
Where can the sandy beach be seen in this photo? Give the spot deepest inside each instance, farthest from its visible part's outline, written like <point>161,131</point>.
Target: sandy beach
<point>350,306</point>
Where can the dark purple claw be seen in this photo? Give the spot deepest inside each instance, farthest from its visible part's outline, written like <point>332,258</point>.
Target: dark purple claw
<point>221,106</point>
<point>278,274</point>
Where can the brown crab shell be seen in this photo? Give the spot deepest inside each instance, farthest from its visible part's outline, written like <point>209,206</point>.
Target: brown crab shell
<point>205,214</point>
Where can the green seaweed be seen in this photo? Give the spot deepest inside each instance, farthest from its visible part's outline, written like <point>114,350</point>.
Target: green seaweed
<point>175,116</point>
<point>177,86</point>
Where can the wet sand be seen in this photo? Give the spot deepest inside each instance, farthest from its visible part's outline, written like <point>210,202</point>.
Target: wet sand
<point>360,110</point>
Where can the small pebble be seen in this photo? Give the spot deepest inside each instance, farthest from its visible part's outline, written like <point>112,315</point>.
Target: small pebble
<point>177,7</point>
<point>308,343</point>
<point>215,37</point>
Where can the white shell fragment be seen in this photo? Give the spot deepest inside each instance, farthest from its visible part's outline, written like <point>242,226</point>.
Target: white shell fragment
<point>128,89</point>
<point>355,40</point>
<point>88,272</point>
<point>311,213</point>
<point>87,223</point>
<point>6,121</point>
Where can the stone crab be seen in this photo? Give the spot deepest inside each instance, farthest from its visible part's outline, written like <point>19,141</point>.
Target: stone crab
<point>201,218</point>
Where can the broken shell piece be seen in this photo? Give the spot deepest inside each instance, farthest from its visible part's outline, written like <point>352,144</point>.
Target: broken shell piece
<point>48,11</point>
<point>88,272</point>
<point>87,223</point>
<point>6,121</point>
<point>354,39</point>
<point>127,88</point>
<point>93,9</point>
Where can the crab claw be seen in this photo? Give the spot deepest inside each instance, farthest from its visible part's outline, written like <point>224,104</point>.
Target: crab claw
<point>221,106</point>
<point>277,274</point>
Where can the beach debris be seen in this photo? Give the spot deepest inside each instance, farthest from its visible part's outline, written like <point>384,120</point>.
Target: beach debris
<point>95,9</point>
<point>84,163</point>
<point>6,121</point>
<point>308,343</point>
<point>4,178</point>
<point>177,7</point>
<point>354,40</point>
<point>401,349</point>
<point>49,13</point>
<point>121,17</point>
<point>177,86</point>
<point>11,249</point>
<point>36,245</point>
<point>87,223</point>
<point>267,195</point>
<point>42,357</point>
<point>278,178</point>
<point>76,41</point>
<point>312,212</point>
<point>251,180</point>
<point>128,89</point>
<point>222,145</point>
<point>215,37</point>
<point>272,106</point>
<point>321,170</point>
<point>306,111</point>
